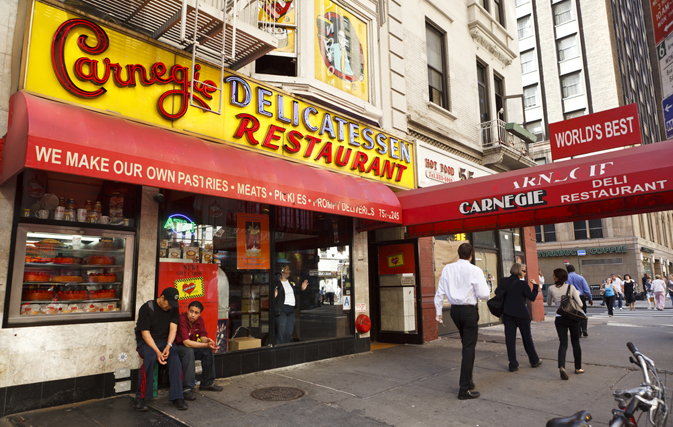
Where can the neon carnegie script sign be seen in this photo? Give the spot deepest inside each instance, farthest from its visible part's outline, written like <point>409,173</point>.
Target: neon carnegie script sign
<point>91,70</point>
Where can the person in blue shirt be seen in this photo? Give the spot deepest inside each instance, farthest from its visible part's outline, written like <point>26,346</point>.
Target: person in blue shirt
<point>585,293</point>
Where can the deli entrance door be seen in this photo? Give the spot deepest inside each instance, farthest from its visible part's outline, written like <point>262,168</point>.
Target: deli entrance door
<point>396,293</point>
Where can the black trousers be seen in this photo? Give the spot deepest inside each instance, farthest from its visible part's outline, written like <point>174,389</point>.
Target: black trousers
<point>563,326</point>
<point>584,323</point>
<point>511,323</point>
<point>609,301</point>
<point>466,318</point>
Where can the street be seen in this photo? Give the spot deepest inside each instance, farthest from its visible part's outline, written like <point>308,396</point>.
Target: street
<point>411,385</point>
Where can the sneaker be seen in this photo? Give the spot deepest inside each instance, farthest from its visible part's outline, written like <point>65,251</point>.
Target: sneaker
<point>180,404</point>
<point>468,395</point>
<point>189,395</point>
<point>140,405</point>
<point>620,308</point>
<point>212,387</point>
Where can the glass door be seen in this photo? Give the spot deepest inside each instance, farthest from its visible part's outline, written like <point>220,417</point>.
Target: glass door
<point>398,293</point>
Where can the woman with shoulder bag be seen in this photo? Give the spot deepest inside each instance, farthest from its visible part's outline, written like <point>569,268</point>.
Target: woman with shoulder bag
<point>515,314</point>
<point>609,295</point>
<point>563,325</point>
<point>630,291</point>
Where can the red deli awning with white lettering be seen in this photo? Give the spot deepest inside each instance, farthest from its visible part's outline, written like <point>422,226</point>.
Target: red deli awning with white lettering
<point>51,136</point>
<point>630,181</point>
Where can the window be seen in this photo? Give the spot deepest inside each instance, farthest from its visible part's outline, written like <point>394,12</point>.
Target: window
<point>484,4</point>
<point>524,27</point>
<point>545,233</point>
<point>592,228</point>
<point>499,91</point>
<point>541,160</point>
<point>436,66</point>
<point>562,12</point>
<point>521,2</point>
<point>283,60</point>
<point>530,96</point>
<point>573,114</point>
<point>498,12</point>
<point>536,129</point>
<point>567,48</point>
<point>570,85</point>
<point>528,62</point>
<point>483,93</point>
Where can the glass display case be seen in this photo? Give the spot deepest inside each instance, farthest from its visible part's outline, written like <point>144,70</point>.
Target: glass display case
<point>69,273</point>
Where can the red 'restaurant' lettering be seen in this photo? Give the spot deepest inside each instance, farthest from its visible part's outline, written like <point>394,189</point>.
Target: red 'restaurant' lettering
<point>249,125</point>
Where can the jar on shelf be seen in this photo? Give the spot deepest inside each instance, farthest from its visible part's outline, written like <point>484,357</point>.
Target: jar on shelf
<point>88,206</point>
<point>71,204</point>
<point>98,207</point>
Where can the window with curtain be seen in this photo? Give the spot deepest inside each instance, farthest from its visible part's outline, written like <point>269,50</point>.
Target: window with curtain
<point>567,48</point>
<point>434,40</point>
<point>524,26</point>
<point>570,85</point>
<point>562,12</point>
<point>530,96</point>
<point>528,63</point>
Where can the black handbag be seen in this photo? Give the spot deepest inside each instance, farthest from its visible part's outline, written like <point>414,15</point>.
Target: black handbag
<point>496,304</point>
<point>569,309</point>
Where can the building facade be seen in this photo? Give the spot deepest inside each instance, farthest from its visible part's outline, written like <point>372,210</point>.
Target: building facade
<point>136,156</point>
<point>576,59</point>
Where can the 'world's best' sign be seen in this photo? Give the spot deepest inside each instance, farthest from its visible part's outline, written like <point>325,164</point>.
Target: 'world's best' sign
<point>608,129</point>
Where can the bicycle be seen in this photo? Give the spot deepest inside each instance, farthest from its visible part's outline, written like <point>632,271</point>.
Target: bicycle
<point>650,397</point>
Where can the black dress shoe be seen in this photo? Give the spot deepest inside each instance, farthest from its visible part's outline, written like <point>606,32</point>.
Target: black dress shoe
<point>139,404</point>
<point>180,404</point>
<point>189,395</point>
<point>585,334</point>
<point>513,369</point>
<point>468,395</point>
<point>538,363</point>
<point>472,386</point>
<point>212,387</point>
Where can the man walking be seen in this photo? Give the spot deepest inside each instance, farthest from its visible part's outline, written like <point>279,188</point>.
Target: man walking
<point>463,284</point>
<point>617,284</point>
<point>585,294</point>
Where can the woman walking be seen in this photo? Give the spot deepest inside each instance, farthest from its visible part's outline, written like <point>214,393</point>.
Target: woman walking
<point>563,325</point>
<point>648,293</point>
<point>609,295</point>
<point>629,291</point>
<point>659,290</point>
<point>516,314</point>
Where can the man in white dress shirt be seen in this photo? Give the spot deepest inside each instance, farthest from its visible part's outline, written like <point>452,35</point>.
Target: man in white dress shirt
<point>463,283</point>
<point>619,290</point>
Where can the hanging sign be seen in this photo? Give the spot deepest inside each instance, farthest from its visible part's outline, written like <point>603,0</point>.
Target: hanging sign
<point>608,129</point>
<point>252,242</point>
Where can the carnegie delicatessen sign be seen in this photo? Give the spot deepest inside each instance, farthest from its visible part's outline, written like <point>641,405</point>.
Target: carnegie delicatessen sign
<point>78,61</point>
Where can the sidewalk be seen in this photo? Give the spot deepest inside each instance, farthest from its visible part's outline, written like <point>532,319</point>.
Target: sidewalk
<point>411,385</point>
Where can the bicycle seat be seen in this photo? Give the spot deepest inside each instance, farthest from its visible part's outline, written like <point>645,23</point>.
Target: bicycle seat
<point>579,419</point>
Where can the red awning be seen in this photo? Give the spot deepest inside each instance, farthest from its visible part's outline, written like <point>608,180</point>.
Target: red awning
<point>48,135</point>
<point>624,182</point>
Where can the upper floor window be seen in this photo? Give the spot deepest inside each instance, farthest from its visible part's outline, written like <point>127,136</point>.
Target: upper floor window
<point>570,85</point>
<point>591,229</point>
<point>567,48</point>
<point>563,12</point>
<point>536,129</point>
<point>498,12</point>
<point>528,63</point>
<point>282,24</point>
<point>530,96</point>
<point>482,87</point>
<point>524,26</point>
<point>521,2</point>
<point>573,114</point>
<point>499,92</point>
<point>434,40</point>
<point>545,233</point>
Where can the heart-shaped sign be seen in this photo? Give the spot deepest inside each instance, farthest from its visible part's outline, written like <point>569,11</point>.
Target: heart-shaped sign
<point>395,260</point>
<point>188,289</point>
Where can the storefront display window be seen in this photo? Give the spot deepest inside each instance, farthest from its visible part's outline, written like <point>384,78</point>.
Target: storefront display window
<point>257,247</point>
<point>74,250</point>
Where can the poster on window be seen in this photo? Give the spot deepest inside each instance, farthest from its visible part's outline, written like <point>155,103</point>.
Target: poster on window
<point>278,18</point>
<point>397,259</point>
<point>194,282</point>
<point>252,242</point>
<point>341,49</point>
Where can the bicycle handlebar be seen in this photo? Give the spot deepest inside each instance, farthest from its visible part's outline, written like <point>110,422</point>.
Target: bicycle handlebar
<point>632,348</point>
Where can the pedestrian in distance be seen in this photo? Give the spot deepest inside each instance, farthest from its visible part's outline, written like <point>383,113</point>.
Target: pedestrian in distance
<point>609,295</point>
<point>515,314</point>
<point>619,291</point>
<point>669,287</point>
<point>630,292</point>
<point>585,294</point>
<point>563,325</point>
<point>541,277</point>
<point>648,293</point>
<point>659,291</point>
<point>463,284</point>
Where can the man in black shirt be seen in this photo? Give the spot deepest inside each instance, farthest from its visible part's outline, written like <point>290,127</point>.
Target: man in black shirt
<point>155,333</point>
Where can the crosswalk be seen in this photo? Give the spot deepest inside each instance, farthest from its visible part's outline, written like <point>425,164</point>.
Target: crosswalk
<point>639,313</point>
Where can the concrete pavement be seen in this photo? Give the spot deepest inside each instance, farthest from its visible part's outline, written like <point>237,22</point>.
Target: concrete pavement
<point>410,385</point>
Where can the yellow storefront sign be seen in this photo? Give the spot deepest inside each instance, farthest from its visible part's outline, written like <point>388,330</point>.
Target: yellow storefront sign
<point>76,60</point>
